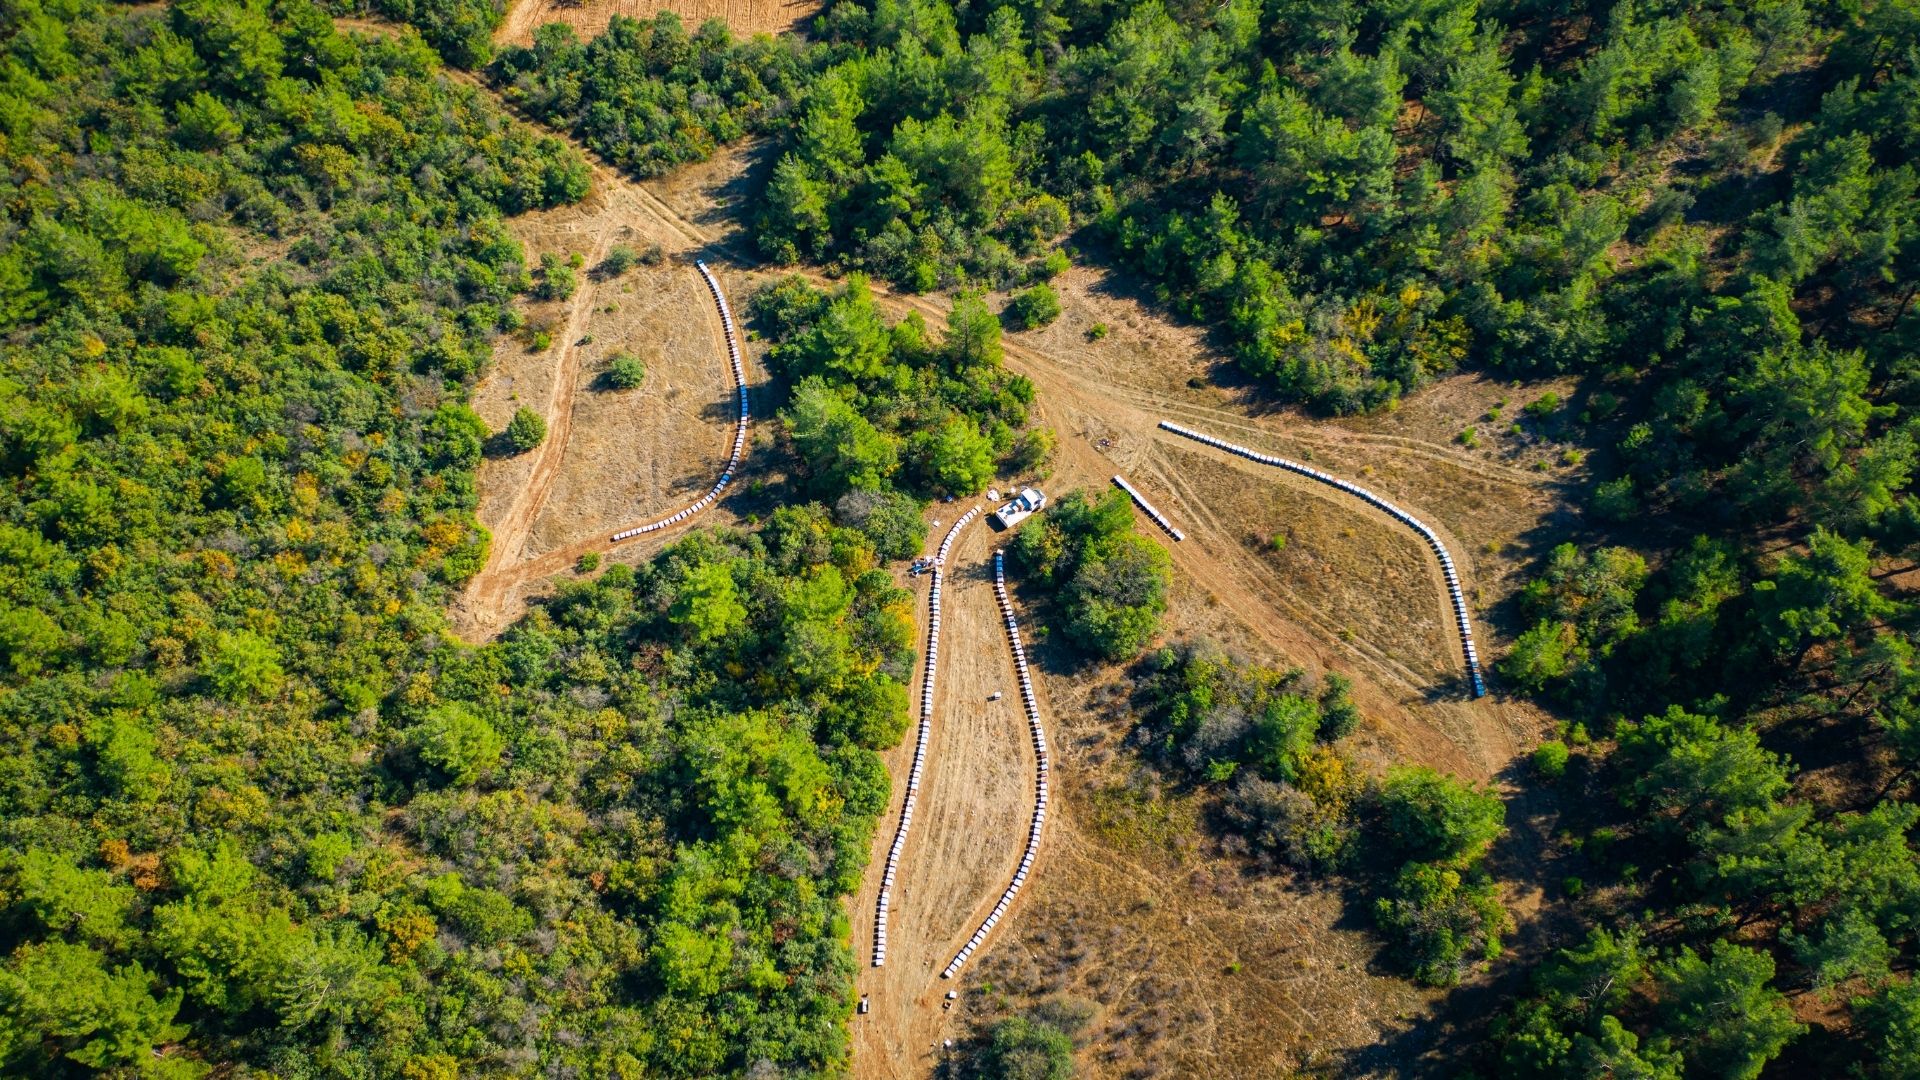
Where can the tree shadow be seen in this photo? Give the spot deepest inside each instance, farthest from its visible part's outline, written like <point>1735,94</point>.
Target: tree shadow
<point>498,446</point>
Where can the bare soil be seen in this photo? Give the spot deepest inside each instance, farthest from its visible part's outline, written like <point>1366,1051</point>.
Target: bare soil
<point>611,458</point>
<point>589,18</point>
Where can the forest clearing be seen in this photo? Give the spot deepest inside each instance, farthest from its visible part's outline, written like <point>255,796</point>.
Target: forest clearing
<point>1352,595</point>
<point>1400,522</point>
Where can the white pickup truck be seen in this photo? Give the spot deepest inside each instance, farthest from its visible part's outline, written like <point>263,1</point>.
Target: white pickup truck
<point>1019,508</point>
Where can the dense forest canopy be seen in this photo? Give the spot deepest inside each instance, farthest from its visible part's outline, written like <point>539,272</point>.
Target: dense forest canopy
<point>259,807</point>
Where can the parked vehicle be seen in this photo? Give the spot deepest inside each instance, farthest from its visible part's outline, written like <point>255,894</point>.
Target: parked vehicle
<point>1019,508</point>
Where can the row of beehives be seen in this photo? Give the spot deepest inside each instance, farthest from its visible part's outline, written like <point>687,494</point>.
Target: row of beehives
<point>920,745</point>
<point>1141,501</point>
<point>1426,533</point>
<point>1040,781</point>
<point>740,427</point>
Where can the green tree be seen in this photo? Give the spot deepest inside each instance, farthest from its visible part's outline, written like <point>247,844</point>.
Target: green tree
<point>1721,1013</point>
<point>1440,920</point>
<point>29,639</point>
<point>68,899</point>
<point>1698,769</point>
<point>61,1003</point>
<point>1549,759</point>
<point>1339,716</point>
<point>956,457</point>
<point>241,665</point>
<point>1890,1022</point>
<point>892,520</point>
<point>1819,596</point>
<point>1282,734</point>
<point>527,430</point>
<point>708,604</point>
<point>205,122</point>
<point>1542,656</point>
<point>620,258</point>
<point>1436,817</point>
<point>973,334</point>
<point>1845,946</point>
<point>456,742</point>
<point>842,450</point>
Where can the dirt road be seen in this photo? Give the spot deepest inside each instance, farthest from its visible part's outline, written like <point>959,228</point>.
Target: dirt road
<point>1347,591</point>
<point>589,18</point>
<point>968,830</point>
<point>610,460</point>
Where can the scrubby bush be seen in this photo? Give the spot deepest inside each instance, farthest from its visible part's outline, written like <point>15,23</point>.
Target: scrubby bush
<point>626,372</point>
<point>1020,1048</point>
<point>527,430</point>
<point>1035,307</point>
<point>1550,759</point>
<point>620,259</point>
<point>557,278</point>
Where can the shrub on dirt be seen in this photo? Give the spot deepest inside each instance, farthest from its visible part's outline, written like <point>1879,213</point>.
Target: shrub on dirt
<point>1339,717</point>
<point>526,430</point>
<point>1035,307</point>
<point>1287,824</point>
<point>620,259</point>
<point>626,372</point>
<point>557,278</point>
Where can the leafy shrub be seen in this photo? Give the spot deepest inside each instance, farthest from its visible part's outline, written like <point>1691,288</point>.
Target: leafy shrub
<point>1550,759</point>
<point>1035,307</point>
<point>620,259</point>
<point>527,430</point>
<point>557,278</point>
<point>626,372</point>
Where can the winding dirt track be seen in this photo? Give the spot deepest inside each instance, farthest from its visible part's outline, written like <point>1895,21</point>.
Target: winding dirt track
<point>497,594</point>
<point>1105,405</point>
<point>510,534</point>
<point>965,842</point>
